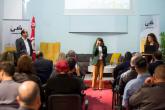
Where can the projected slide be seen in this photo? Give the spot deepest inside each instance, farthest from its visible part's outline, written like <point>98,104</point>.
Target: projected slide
<point>97,4</point>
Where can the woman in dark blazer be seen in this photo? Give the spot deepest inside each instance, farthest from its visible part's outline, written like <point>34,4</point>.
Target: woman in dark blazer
<point>98,62</point>
<point>152,40</point>
<point>153,43</point>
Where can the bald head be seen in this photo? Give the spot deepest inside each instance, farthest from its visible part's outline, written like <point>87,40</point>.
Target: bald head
<point>133,59</point>
<point>160,73</point>
<point>28,92</point>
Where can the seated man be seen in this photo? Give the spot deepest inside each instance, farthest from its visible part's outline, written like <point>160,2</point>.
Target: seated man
<point>43,67</point>
<point>128,75</point>
<point>157,60</point>
<point>62,83</point>
<point>8,87</point>
<point>29,96</point>
<point>72,72</point>
<point>150,96</point>
<point>123,67</point>
<point>133,85</point>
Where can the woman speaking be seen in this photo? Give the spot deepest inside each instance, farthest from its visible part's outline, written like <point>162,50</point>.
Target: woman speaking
<point>98,62</point>
<point>152,41</point>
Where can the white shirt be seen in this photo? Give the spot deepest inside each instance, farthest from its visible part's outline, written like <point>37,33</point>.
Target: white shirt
<point>100,52</point>
<point>26,45</point>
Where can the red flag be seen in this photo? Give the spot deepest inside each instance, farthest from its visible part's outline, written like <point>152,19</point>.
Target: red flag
<point>32,37</point>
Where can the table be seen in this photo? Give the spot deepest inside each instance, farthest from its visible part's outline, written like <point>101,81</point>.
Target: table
<point>107,68</point>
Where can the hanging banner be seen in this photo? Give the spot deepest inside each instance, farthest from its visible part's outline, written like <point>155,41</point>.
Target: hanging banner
<point>149,24</point>
<point>11,30</point>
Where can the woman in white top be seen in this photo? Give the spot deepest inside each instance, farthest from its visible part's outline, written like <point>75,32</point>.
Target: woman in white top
<point>98,62</point>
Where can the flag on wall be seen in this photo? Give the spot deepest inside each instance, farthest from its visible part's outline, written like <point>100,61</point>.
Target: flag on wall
<point>32,37</point>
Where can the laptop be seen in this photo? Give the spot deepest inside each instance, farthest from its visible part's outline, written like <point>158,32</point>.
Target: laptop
<point>150,49</point>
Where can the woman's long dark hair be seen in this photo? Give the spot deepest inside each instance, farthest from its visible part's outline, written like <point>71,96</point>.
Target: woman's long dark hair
<point>99,39</point>
<point>154,39</point>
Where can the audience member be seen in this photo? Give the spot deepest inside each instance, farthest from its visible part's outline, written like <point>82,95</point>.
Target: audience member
<point>7,56</point>
<point>25,70</point>
<point>63,83</point>
<point>124,66</point>
<point>150,96</point>
<point>133,85</point>
<point>43,67</point>
<point>157,60</point>
<point>8,87</point>
<point>72,72</point>
<point>29,96</point>
<point>61,56</point>
<point>72,54</point>
<point>128,75</point>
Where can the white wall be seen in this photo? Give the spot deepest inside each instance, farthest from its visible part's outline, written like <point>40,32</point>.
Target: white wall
<point>13,9</point>
<point>9,10</point>
<point>52,25</point>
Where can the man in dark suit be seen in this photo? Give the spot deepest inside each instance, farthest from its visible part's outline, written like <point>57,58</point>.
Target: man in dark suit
<point>43,67</point>
<point>23,44</point>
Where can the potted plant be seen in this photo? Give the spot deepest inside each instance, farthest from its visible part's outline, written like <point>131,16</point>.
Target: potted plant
<point>162,44</point>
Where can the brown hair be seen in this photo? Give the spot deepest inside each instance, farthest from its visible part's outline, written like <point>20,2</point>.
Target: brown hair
<point>7,56</point>
<point>160,72</point>
<point>25,65</point>
<point>154,39</point>
<point>99,39</point>
<point>8,68</point>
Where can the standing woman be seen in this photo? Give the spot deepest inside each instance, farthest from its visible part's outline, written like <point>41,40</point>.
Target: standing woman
<point>152,40</point>
<point>98,62</point>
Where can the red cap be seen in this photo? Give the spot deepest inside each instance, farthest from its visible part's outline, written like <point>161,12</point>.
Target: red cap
<point>62,66</point>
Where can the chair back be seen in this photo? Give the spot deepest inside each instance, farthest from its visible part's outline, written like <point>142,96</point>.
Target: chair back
<point>64,102</point>
<point>115,58</point>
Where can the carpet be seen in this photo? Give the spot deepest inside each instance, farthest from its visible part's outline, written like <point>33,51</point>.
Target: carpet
<point>106,83</point>
<point>99,100</point>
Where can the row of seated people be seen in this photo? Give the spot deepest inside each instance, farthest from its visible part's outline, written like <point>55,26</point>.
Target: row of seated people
<point>14,95</point>
<point>133,77</point>
<point>63,80</point>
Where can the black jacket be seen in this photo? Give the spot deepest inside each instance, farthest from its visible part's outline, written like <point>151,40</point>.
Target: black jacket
<point>63,84</point>
<point>152,66</point>
<point>43,68</point>
<point>21,48</point>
